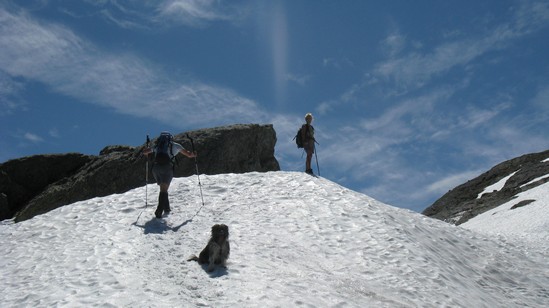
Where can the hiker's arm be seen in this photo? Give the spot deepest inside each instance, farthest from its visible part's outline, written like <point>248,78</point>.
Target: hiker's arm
<point>187,153</point>
<point>147,151</point>
<point>178,148</point>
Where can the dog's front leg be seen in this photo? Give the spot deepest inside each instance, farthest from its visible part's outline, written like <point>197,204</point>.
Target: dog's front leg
<point>214,254</point>
<point>225,250</point>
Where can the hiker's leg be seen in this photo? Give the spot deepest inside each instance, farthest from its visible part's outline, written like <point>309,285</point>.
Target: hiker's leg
<point>163,175</point>
<point>164,187</point>
<point>164,201</point>
<point>309,150</point>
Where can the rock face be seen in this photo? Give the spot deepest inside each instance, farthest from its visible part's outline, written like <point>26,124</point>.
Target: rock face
<point>24,178</point>
<point>35,185</point>
<point>463,202</point>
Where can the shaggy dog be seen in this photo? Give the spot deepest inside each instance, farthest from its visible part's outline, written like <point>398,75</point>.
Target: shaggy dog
<point>218,249</point>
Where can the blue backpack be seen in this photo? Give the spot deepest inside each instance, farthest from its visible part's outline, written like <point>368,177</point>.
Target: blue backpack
<point>163,149</point>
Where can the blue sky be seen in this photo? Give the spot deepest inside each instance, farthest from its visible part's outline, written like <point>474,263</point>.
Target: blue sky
<point>410,98</point>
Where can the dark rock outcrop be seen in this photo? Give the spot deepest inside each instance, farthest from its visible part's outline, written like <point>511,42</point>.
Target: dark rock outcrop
<point>463,202</point>
<point>23,179</point>
<point>35,185</point>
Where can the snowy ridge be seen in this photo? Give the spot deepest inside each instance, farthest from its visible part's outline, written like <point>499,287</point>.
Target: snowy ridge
<point>296,240</point>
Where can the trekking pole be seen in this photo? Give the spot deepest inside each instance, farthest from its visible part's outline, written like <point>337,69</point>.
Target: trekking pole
<point>147,175</point>
<point>146,182</point>
<point>316,158</point>
<point>196,166</point>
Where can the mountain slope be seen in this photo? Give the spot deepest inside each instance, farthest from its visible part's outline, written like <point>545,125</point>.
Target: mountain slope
<point>296,240</point>
<point>497,186</point>
<point>526,224</point>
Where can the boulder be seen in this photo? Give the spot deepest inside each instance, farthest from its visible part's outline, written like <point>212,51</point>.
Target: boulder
<point>5,210</point>
<point>24,178</point>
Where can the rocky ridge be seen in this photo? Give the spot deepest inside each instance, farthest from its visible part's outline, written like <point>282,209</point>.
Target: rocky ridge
<point>34,185</point>
<point>475,196</point>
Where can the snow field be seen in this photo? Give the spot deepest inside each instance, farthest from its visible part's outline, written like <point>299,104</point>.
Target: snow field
<point>296,240</point>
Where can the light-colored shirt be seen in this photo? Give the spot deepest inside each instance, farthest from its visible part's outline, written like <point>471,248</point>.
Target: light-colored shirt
<point>176,147</point>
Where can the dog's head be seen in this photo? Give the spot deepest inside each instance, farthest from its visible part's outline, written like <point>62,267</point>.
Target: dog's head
<point>220,232</point>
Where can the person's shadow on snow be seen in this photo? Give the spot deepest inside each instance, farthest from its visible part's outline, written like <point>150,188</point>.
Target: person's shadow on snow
<point>160,226</point>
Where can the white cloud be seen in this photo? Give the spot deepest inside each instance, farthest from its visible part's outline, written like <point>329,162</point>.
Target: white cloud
<point>408,113</point>
<point>54,132</point>
<point>416,69</point>
<point>33,138</point>
<point>324,108</point>
<point>195,12</point>
<point>475,116</point>
<point>531,16</point>
<point>201,104</point>
<point>55,56</point>
<point>9,95</point>
<point>300,80</point>
<point>393,44</point>
<point>123,21</point>
<point>169,13</point>
<point>541,99</point>
<point>337,63</point>
<point>442,185</point>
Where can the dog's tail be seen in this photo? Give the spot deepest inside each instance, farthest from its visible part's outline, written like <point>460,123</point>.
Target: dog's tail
<point>192,258</point>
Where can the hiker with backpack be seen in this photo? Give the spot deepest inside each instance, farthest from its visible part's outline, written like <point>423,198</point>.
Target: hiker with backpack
<point>164,152</point>
<point>307,135</point>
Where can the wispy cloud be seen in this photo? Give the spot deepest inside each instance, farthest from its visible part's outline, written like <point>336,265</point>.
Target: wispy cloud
<point>201,104</point>
<point>441,185</point>
<point>386,151</point>
<point>393,44</point>
<point>125,21</point>
<point>196,12</point>
<point>54,132</point>
<point>416,69</point>
<point>474,117</point>
<point>33,138</point>
<point>168,13</point>
<point>9,95</point>
<point>541,99</point>
<point>400,124</point>
<point>300,80</point>
<point>337,63</point>
<point>70,65</point>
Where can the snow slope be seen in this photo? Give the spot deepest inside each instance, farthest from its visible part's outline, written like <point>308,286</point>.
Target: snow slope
<point>527,225</point>
<point>296,240</point>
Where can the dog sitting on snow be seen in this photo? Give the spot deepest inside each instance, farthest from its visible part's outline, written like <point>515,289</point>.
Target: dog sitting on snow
<point>218,248</point>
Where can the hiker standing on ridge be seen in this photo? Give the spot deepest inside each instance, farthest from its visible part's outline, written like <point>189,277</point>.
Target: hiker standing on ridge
<point>308,137</point>
<point>164,151</point>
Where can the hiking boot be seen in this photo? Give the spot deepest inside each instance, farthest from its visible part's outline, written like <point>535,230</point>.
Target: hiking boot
<point>158,212</point>
<point>309,171</point>
<point>164,201</point>
<point>167,206</point>
<point>163,204</point>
